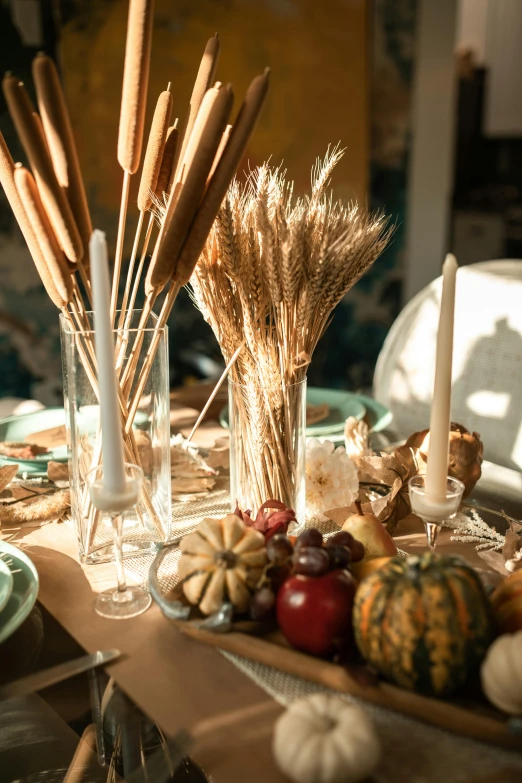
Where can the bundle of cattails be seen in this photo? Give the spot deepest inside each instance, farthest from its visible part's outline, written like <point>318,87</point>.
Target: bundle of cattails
<point>271,273</point>
<point>188,165</point>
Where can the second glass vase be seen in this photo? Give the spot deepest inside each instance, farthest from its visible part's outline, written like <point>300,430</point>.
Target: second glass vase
<point>268,446</point>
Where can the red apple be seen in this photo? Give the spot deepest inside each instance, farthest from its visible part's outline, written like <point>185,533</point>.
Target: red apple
<point>315,612</point>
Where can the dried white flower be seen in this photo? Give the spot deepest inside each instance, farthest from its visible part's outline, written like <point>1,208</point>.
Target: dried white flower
<point>355,437</point>
<point>471,528</point>
<point>331,477</point>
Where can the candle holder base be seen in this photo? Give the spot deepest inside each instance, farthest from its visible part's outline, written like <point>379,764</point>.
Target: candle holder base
<point>432,532</point>
<point>434,510</point>
<point>122,604</point>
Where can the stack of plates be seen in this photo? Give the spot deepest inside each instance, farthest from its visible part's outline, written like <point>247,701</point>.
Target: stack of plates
<point>341,405</point>
<point>18,588</point>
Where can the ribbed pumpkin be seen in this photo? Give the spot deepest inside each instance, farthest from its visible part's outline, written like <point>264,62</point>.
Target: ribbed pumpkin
<point>221,561</point>
<point>423,622</point>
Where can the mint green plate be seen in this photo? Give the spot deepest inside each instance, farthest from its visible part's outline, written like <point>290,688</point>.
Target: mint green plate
<point>6,583</point>
<point>24,592</point>
<point>342,404</point>
<point>17,428</point>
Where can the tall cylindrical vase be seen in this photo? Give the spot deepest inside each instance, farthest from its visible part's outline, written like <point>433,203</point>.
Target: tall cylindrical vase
<point>146,443</point>
<point>268,446</point>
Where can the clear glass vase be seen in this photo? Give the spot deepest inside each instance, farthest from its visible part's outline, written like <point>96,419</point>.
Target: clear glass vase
<point>268,446</point>
<point>147,441</point>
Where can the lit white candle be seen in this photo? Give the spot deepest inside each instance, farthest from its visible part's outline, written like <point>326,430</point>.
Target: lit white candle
<point>438,449</point>
<point>112,441</point>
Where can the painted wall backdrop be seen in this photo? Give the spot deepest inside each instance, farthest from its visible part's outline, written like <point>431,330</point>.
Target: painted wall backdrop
<point>340,72</point>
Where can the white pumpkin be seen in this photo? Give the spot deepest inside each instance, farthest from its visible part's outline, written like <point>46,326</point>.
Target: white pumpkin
<point>501,673</point>
<point>323,739</point>
<point>222,560</point>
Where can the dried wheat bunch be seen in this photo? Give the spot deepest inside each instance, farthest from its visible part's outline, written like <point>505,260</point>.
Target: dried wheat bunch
<point>272,271</point>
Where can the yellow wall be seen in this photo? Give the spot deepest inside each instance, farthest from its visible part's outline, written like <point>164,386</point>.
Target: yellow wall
<point>317,52</point>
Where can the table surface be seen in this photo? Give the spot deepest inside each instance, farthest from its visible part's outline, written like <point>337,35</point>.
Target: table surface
<point>177,682</point>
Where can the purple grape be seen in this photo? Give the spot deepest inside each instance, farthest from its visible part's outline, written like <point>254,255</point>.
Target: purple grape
<point>309,538</point>
<point>343,538</point>
<point>340,556</point>
<point>357,550</point>
<point>311,561</point>
<point>279,548</point>
<point>262,604</point>
<point>277,573</point>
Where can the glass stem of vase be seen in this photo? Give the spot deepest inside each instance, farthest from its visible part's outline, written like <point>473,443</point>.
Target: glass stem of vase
<point>117,524</point>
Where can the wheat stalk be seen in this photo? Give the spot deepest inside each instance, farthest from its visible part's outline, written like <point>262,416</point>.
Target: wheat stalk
<point>270,274</point>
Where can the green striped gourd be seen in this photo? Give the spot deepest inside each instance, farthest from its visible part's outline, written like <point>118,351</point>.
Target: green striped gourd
<point>423,622</point>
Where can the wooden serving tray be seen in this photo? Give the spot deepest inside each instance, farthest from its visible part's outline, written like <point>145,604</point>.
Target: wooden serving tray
<point>470,715</point>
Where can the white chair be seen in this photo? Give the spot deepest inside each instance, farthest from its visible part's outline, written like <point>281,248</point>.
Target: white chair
<point>487,359</point>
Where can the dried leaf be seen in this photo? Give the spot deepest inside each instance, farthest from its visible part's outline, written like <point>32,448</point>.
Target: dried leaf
<point>219,456</point>
<point>394,471</point>
<point>57,471</point>
<point>181,485</point>
<point>494,559</point>
<point>7,474</point>
<point>512,544</point>
<point>340,515</point>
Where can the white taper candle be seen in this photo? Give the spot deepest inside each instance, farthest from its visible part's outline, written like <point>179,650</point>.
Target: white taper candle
<point>440,421</point>
<point>111,423</point>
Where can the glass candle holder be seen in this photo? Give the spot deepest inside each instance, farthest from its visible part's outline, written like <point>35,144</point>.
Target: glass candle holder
<point>126,600</point>
<point>268,447</point>
<point>433,511</point>
<point>146,443</point>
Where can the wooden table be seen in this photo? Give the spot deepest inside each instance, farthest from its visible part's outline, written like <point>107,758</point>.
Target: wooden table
<point>176,681</point>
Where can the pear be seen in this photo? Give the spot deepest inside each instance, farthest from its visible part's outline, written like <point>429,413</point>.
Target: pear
<point>367,529</point>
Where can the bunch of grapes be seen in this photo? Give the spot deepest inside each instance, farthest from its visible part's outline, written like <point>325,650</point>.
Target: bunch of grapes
<point>310,556</point>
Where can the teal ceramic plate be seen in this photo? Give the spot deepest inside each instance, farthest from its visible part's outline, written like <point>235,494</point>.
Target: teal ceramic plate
<point>377,415</point>
<point>6,583</point>
<point>25,589</point>
<point>342,404</point>
<point>17,428</point>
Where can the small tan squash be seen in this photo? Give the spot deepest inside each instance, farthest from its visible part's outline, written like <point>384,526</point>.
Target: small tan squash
<point>221,561</point>
<point>323,739</point>
<point>501,673</point>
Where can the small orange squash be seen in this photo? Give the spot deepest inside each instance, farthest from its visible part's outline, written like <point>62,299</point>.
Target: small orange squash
<point>507,603</point>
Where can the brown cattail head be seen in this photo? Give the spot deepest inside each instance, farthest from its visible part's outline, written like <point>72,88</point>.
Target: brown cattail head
<point>33,141</point>
<point>135,83</point>
<point>204,79</point>
<point>222,144</point>
<point>7,168</point>
<point>60,139</point>
<point>155,149</point>
<point>52,253</point>
<point>167,162</point>
<point>224,173</point>
<point>188,190</point>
